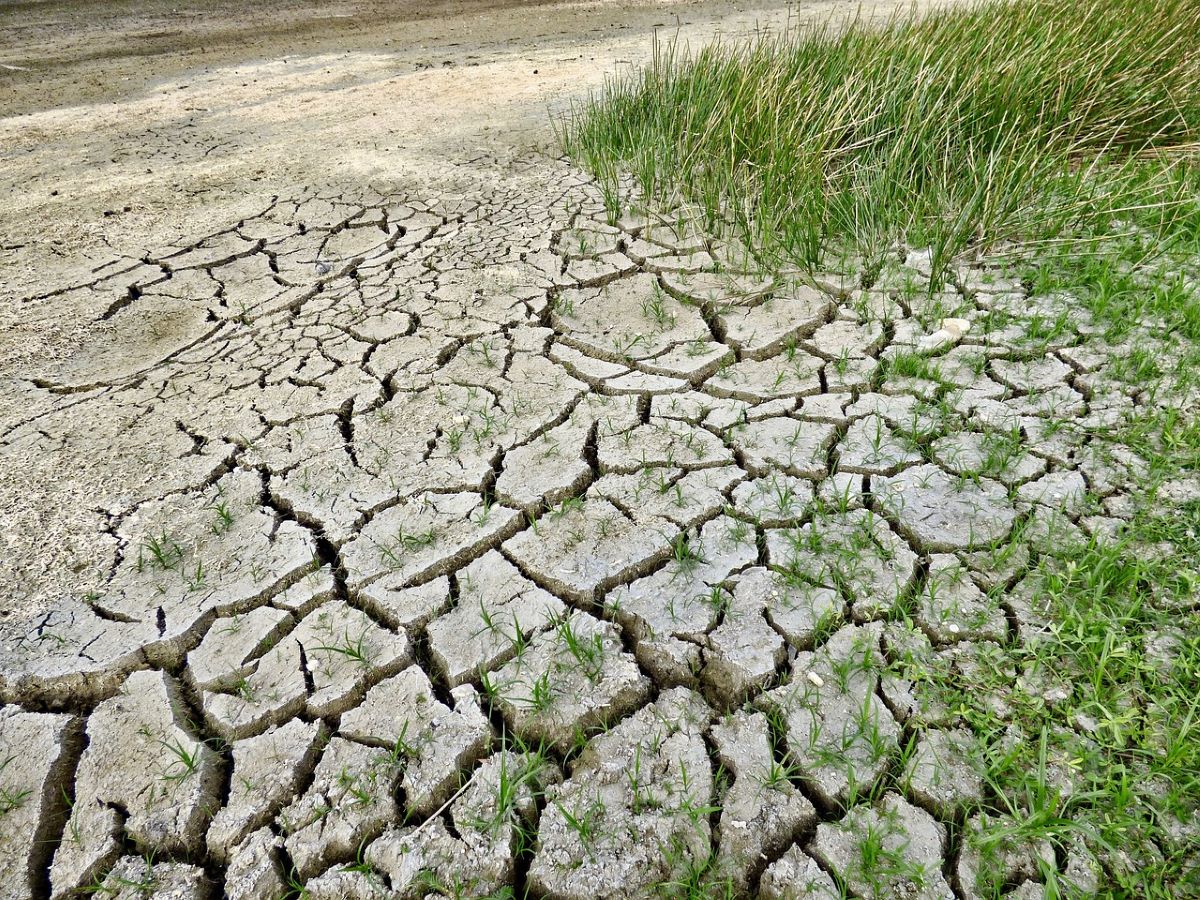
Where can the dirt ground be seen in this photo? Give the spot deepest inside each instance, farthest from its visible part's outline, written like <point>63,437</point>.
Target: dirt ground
<point>379,518</point>
<point>127,128</point>
<point>123,125</point>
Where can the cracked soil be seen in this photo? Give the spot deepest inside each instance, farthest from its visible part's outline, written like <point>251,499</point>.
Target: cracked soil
<point>382,520</point>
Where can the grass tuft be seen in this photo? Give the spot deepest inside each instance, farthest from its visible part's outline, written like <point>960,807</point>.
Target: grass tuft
<point>966,127</point>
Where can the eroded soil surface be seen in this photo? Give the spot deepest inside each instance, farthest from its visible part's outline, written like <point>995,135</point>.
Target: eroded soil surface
<point>446,539</point>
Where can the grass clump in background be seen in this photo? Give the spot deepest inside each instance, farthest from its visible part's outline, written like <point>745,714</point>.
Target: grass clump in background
<point>968,126</point>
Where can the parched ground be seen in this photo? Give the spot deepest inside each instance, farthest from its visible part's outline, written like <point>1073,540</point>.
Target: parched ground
<point>425,533</point>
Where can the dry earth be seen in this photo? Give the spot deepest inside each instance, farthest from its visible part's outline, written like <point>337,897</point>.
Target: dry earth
<point>380,520</point>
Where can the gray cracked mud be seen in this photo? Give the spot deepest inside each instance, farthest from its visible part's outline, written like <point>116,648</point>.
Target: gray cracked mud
<point>475,541</point>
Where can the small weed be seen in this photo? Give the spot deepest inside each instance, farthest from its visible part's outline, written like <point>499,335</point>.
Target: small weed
<point>353,648</point>
<point>184,761</point>
<point>223,517</point>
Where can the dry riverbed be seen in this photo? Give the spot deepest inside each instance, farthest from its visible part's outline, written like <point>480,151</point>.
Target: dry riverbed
<point>381,520</point>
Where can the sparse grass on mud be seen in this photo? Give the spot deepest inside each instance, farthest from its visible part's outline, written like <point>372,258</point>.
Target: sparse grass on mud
<point>1061,137</point>
<point>1002,121</point>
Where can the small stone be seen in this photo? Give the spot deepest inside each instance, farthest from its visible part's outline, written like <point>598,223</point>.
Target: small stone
<point>959,326</point>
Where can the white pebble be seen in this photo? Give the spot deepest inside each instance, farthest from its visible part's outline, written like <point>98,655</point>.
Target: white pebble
<point>958,327</point>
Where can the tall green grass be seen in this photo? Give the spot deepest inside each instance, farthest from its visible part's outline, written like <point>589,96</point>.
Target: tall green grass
<point>967,126</point>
